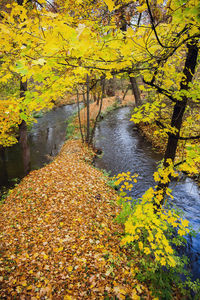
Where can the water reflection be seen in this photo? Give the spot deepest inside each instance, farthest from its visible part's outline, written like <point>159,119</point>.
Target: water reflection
<point>45,140</point>
<point>125,150</point>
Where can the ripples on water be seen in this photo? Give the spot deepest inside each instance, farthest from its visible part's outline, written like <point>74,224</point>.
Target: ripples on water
<point>125,150</point>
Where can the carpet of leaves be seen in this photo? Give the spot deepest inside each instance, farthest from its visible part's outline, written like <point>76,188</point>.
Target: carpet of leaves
<point>58,238</point>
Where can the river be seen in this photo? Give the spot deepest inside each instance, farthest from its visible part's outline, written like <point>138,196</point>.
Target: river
<point>45,139</point>
<point>124,149</point>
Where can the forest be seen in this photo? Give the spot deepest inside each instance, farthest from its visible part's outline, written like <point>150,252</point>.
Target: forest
<point>99,149</point>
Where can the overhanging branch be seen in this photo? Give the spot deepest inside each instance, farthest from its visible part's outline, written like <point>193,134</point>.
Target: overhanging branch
<point>161,90</point>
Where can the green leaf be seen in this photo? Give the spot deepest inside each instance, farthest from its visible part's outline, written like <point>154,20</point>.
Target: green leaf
<point>21,68</point>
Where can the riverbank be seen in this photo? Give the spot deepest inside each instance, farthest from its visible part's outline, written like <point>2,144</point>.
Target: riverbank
<point>58,235</point>
<point>159,143</point>
<point>59,238</point>
<point>109,104</point>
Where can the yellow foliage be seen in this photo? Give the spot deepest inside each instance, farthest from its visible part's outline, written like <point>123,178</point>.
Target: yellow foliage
<point>149,230</point>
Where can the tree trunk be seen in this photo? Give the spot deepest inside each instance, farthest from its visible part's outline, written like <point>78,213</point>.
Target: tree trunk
<point>79,117</point>
<point>179,108</point>
<point>23,134</point>
<point>99,112</point>
<point>88,111</point>
<point>135,90</point>
<point>25,147</point>
<point>4,174</point>
<point>110,90</point>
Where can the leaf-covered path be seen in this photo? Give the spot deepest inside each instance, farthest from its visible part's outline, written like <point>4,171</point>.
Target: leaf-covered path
<point>58,237</point>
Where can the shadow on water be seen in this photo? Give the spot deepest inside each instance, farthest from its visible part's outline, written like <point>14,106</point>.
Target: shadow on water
<point>125,150</point>
<point>45,139</point>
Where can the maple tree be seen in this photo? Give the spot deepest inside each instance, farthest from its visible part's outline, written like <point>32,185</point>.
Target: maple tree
<point>59,46</point>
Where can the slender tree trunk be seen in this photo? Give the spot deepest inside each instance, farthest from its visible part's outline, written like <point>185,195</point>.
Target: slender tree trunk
<point>24,146</point>
<point>126,91</point>
<point>110,90</point>
<point>135,90</point>
<point>23,134</point>
<point>134,85</point>
<point>79,117</point>
<point>88,111</point>
<point>179,108</point>
<point>99,112</point>
<point>4,175</point>
<point>98,98</point>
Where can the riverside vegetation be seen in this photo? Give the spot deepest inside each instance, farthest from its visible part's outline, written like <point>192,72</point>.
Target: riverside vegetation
<point>58,238</point>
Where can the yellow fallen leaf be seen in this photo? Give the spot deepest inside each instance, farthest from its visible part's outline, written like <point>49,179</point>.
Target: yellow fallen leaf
<point>29,287</point>
<point>58,249</point>
<point>70,268</point>
<point>138,288</point>
<point>134,295</point>
<point>24,283</point>
<point>18,289</point>
<point>68,297</point>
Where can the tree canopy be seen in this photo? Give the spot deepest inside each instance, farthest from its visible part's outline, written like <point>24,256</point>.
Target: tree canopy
<point>55,45</point>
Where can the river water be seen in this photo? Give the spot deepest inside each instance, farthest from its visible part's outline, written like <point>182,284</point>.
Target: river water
<point>45,139</point>
<point>125,150</point>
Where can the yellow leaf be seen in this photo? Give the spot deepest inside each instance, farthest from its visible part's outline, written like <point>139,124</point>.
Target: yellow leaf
<point>134,295</point>
<point>138,288</point>
<point>185,223</point>
<point>142,8</point>
<point>70,268</point>
<point>24,283</point>
<point>29,287</point>
<point>18,289</point>
<point>68,297</point>
<point>110,4</point>
<point>58,249</point>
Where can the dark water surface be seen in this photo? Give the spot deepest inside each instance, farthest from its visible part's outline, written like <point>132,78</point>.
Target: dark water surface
<point>45,139</point>
<point>125,150</point>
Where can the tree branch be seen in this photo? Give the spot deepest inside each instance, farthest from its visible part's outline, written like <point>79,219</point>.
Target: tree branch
<point>161,90</point>
<point>160,124</point>
<point>185,138</point>
<point>179,163</point>
<point>154,28</point>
